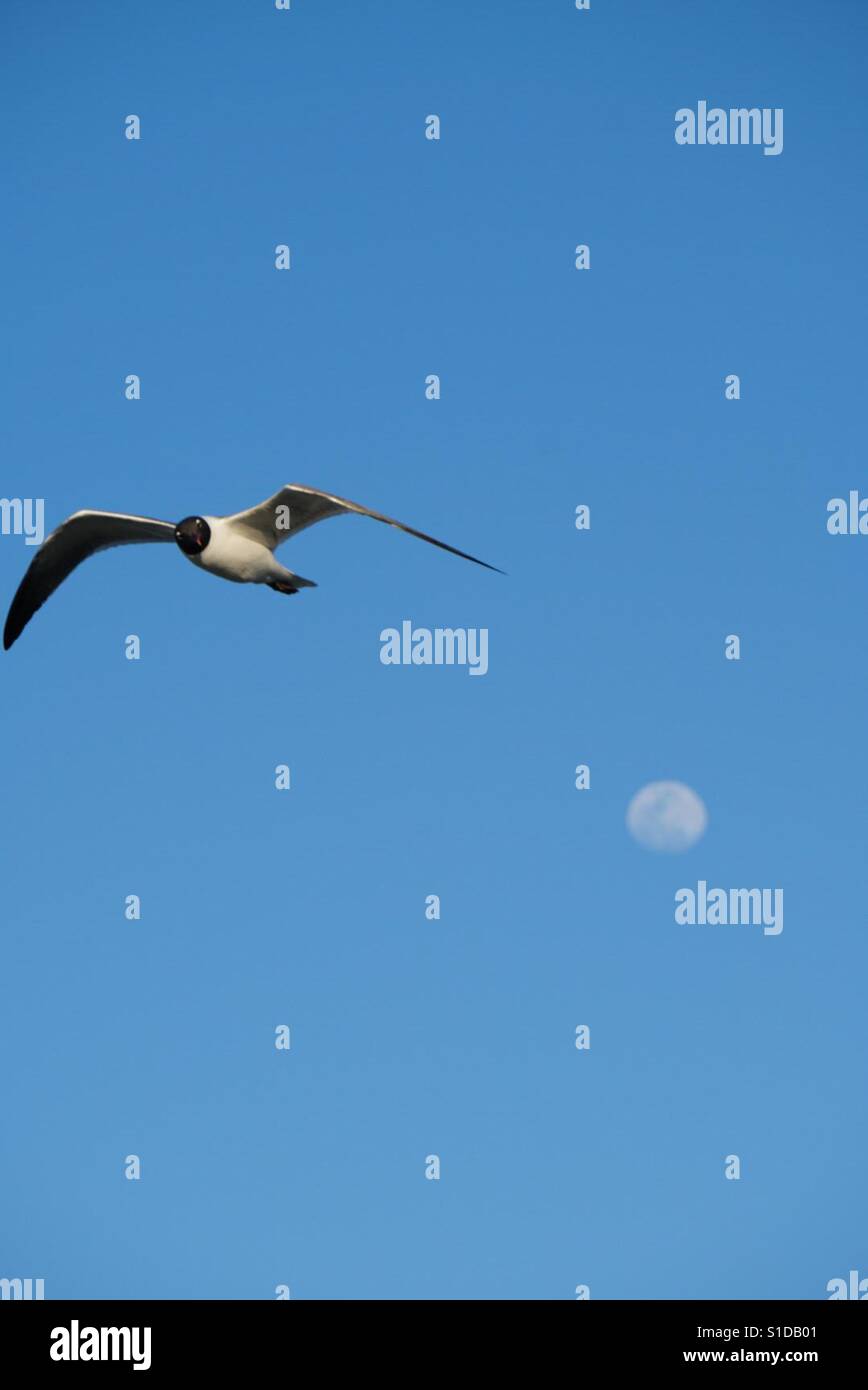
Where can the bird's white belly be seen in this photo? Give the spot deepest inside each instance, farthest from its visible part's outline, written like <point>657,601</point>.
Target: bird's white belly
<point>236,557</point>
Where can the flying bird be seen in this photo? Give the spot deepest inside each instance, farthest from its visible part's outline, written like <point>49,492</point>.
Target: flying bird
<point>239,547</point>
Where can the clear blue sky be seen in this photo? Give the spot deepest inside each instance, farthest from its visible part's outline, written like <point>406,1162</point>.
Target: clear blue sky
<point>409,1037</point>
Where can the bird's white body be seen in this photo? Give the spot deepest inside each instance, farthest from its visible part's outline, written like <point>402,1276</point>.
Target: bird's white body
<point>233,555</point>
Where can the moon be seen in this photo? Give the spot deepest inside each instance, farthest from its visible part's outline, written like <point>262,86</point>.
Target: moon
<point>667,816</point>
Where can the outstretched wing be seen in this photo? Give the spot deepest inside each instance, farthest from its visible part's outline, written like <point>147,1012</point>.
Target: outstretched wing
<point>80,535</point>
<point>295,507</point>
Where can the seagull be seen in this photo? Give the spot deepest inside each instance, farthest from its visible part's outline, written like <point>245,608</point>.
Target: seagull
<point>239,547</point>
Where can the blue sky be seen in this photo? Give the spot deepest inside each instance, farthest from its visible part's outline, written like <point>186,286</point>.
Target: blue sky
<point>307,907</point>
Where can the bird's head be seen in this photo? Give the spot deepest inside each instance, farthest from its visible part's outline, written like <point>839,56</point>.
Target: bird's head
<point>192,535</point>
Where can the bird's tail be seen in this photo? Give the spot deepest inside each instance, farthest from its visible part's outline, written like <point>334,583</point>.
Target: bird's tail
<point>288,583</point>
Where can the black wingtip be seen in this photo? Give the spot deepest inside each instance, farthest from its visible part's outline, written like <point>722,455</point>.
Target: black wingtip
<point>483,563</point>
<point>13,627</point>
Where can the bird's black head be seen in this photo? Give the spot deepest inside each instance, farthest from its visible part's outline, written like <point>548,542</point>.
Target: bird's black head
<point>192,535</point>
